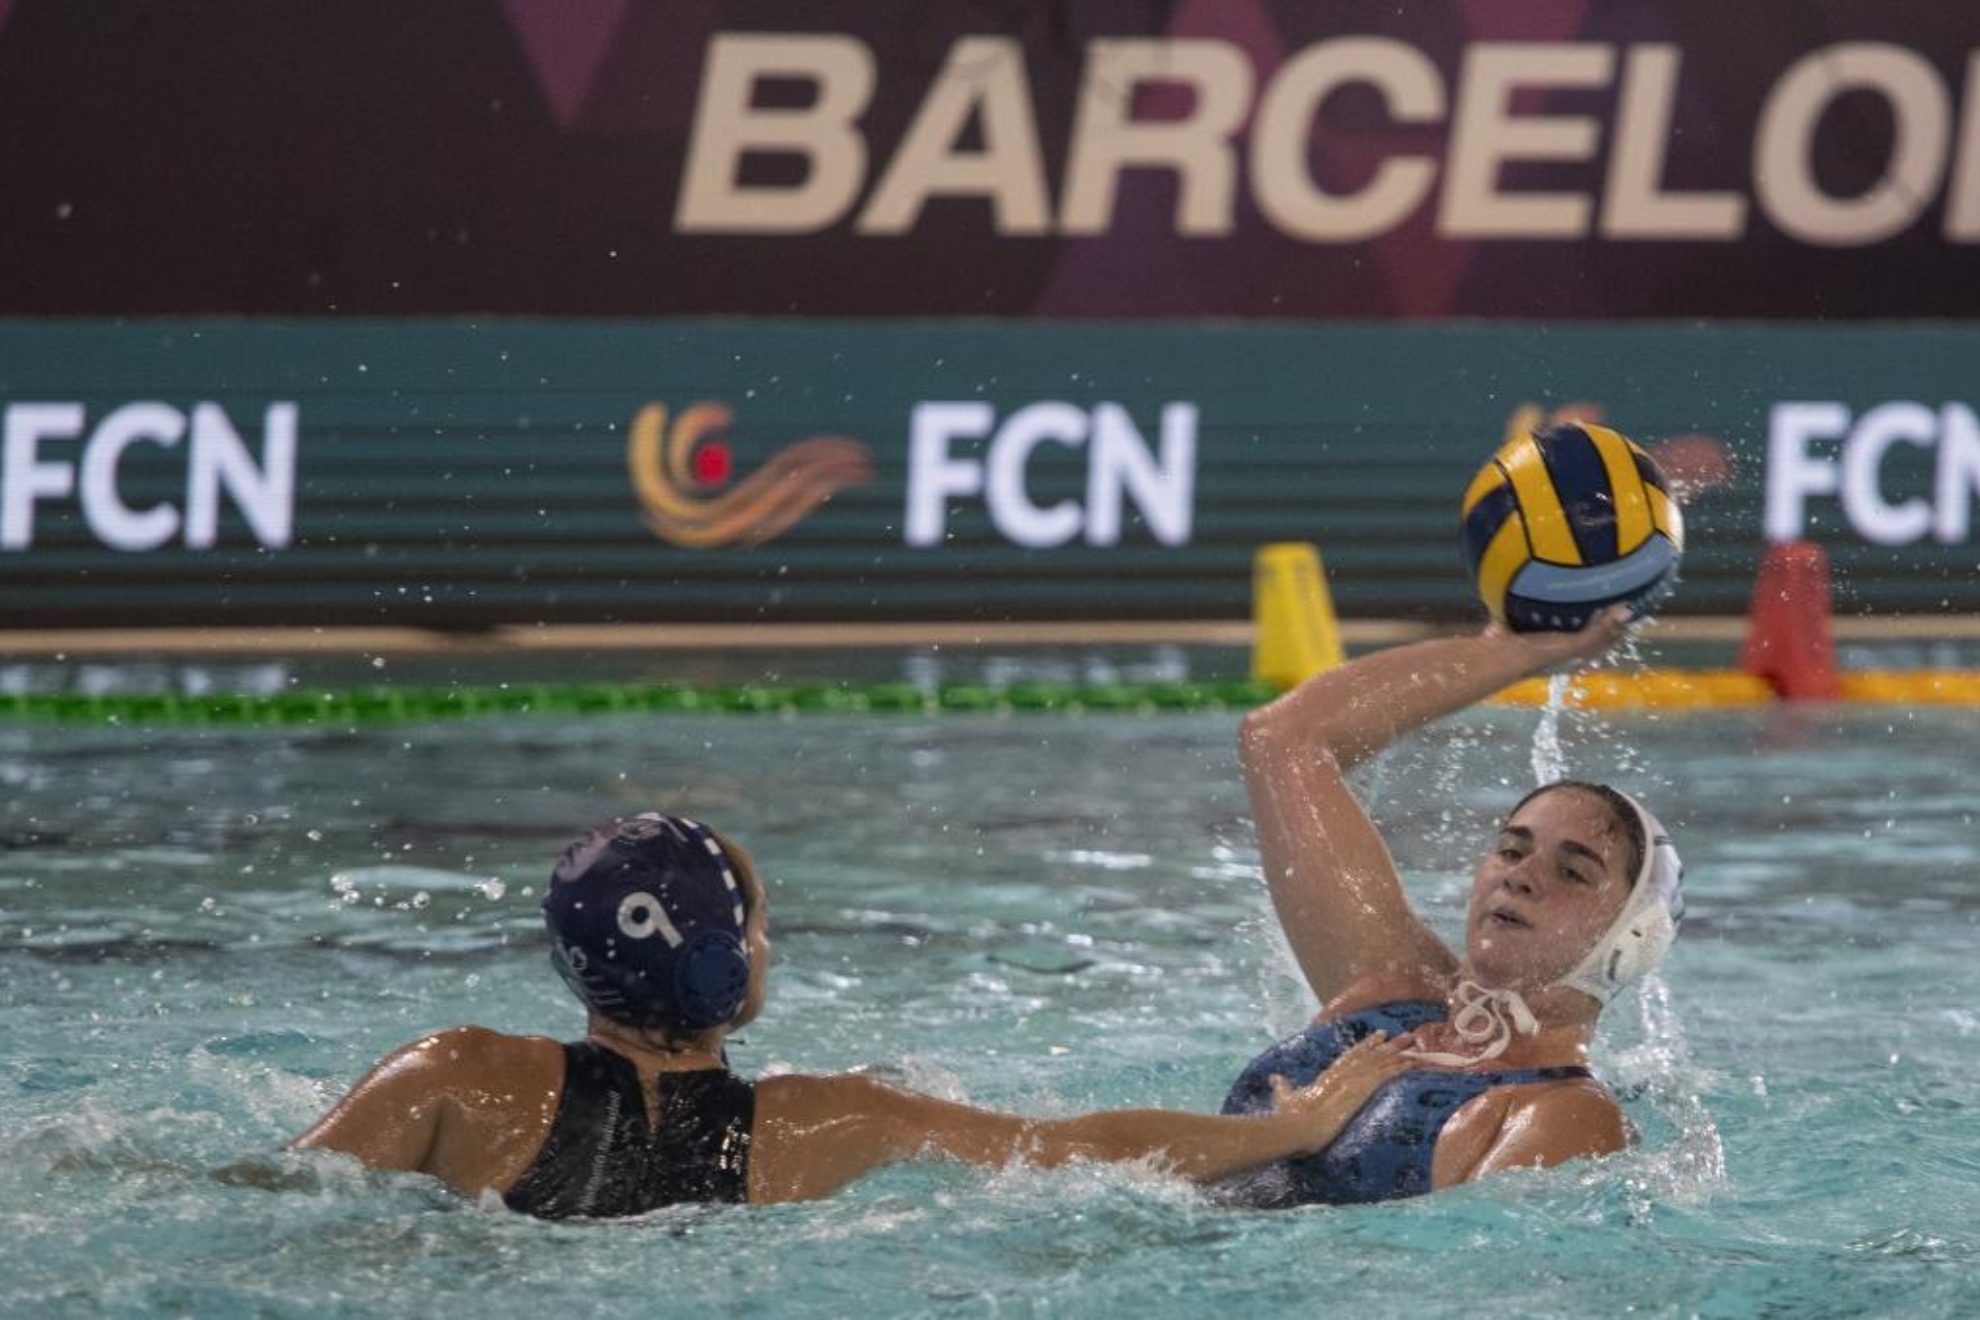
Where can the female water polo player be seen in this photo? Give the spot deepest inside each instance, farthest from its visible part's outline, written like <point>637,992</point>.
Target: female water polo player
<point>659,926</point>
<point>1578,896</point>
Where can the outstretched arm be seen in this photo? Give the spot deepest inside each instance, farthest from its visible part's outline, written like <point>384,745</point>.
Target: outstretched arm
<point>813,1135</point>
<point>1332,880</point>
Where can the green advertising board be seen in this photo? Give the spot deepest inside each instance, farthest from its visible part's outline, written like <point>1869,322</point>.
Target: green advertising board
<point>464,474</point>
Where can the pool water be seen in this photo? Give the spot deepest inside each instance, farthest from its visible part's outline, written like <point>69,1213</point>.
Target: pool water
<point>207,934</point>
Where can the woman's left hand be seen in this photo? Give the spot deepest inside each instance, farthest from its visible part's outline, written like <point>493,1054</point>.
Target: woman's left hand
<point>1325,1104</point>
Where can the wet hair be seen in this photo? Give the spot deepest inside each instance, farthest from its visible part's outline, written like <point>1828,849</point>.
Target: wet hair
<point>1622,815</point>
<point>749,889</point>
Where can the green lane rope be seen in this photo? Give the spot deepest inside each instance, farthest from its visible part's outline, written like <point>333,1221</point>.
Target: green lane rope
<point>379,705</point>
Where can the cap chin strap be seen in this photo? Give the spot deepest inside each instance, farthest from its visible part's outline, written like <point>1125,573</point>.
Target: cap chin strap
<point>1485,1018</point>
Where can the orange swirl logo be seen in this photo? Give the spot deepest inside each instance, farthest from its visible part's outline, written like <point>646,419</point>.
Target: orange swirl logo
<point>679,471</point>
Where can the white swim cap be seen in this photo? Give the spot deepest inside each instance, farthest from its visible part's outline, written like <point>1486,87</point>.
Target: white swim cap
<point>1644,930</point>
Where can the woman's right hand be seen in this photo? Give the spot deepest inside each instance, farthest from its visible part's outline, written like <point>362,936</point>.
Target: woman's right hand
<point>1547,650</point>
<point>1325,1104</point>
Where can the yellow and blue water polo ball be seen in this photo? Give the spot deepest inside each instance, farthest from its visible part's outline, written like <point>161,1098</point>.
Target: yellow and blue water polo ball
<point>1566,521</point>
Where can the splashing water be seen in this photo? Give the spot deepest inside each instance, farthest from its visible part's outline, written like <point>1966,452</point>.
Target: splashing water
<point>1690,1165</point>
<point>1806,1087</point>
<point>1549,760</point>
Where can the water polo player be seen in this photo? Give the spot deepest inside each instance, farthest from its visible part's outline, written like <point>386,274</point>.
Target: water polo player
<point>660,928</point>
<point>1578,896</point>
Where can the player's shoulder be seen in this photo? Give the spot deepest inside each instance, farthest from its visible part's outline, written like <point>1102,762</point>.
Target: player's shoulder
<point>820,1096</point>
<point>1581,1113</point>
<point>476,1049</point>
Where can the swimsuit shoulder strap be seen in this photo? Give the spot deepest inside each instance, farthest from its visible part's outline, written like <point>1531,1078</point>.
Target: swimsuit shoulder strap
<point>598,1112</point>
<point>701,1152</point>
<point>1522,1076</point>
<point>1395,1016</point>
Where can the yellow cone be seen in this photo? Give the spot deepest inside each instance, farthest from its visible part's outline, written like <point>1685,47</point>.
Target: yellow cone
<point>1294,634</point>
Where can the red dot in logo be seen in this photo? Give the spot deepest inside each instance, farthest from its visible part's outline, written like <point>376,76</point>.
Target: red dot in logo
<point>712,464</point>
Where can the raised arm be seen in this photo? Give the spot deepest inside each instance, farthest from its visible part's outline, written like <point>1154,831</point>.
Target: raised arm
<point>1332,880</point>
<point>814,1135</point>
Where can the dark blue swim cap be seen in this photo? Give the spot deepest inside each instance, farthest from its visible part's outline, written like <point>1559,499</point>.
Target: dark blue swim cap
<point>646,924</point>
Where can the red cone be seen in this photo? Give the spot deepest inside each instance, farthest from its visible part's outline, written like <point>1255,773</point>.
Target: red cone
<point>1787,632</point>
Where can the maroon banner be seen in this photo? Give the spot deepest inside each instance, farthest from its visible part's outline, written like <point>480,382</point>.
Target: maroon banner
<point>1526,158</point>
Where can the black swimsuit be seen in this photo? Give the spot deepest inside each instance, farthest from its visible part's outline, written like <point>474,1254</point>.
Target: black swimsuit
<point>601,1159</point>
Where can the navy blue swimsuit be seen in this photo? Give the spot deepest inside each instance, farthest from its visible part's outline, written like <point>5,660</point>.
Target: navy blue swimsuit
<point>1385,1151</point>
